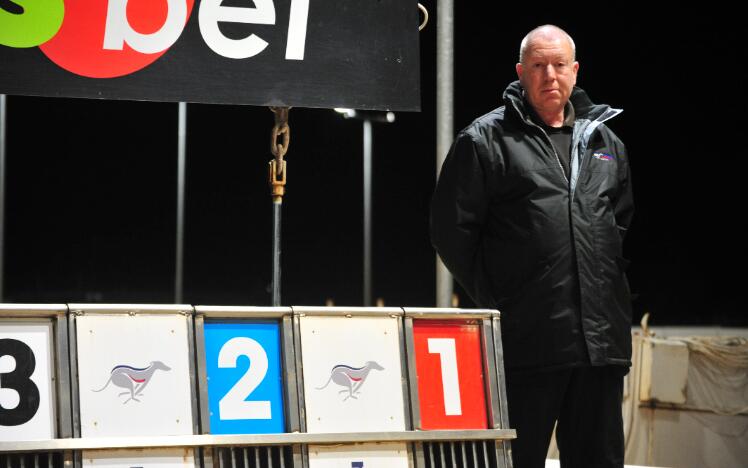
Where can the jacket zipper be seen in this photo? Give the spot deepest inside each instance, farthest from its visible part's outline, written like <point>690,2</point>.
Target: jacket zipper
<point>558,160</point>
<point>555,153</point>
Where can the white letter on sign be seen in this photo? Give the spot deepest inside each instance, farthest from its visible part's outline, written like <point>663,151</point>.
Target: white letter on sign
<point>232,405</point>
<point>118,29</point>
<point>297,30</point>
<point>445,348</point>
<point>211,13</point>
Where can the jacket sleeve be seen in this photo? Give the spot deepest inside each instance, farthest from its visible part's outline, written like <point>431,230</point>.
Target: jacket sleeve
<point>624,205</point>
<point>458,215</point>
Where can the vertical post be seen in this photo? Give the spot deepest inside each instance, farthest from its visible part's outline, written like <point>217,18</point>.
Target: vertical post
<point>2,193</point>
<point>277,205</point>
<point>181,178</point>
<point>367,211</point>
<point>277,180</point>
<point>444,118</point>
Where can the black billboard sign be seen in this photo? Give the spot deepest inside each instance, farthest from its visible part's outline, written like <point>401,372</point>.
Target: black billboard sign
<point>359,54</point>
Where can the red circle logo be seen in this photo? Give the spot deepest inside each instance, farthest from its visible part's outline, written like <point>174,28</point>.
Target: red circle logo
<point>107,39</point>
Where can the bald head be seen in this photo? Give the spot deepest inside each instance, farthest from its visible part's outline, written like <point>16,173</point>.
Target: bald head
<point>547,72</point>
<point>546,32</point>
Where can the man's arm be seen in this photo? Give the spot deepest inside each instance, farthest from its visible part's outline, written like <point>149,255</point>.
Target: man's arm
<point>458,215</point>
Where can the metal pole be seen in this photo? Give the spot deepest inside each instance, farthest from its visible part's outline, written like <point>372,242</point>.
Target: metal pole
<point>181,177</point>
<point>277,205</point>
<point>2,192</point>
<point>367,212</point>
<point>277,179</point>
<point>444,119</point>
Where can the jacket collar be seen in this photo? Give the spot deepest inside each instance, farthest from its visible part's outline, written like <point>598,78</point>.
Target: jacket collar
<point>584,108</point>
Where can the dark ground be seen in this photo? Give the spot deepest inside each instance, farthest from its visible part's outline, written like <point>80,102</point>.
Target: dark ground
<point>91,185</point>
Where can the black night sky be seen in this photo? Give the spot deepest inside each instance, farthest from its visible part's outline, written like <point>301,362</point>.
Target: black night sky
<point>91,185</point>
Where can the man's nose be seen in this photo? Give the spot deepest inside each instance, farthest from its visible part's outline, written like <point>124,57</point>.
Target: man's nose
<point>550,72</point>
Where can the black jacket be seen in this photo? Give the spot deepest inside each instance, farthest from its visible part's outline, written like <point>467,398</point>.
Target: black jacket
<point>520,237</point>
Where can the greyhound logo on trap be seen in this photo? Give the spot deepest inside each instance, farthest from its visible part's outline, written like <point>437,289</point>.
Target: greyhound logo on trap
<point>133,379</point>
<point>351,378</point>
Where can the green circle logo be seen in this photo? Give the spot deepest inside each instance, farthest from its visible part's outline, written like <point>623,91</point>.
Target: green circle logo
<point>29,23</point>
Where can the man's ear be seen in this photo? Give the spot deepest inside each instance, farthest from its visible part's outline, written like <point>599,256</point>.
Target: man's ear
<point>518,67</point>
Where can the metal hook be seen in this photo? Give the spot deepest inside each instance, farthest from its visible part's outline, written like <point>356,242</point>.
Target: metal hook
<point>425,16</point>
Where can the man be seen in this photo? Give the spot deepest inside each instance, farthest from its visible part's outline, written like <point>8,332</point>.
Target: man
<point>529,215</point>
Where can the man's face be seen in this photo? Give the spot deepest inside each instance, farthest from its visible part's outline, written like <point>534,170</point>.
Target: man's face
<point>548,73</point>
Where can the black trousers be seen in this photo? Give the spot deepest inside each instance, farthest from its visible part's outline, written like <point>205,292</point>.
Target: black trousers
<point>586,402</point>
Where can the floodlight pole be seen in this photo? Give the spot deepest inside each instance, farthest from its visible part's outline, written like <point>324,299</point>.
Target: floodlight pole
<point>368,141</point>
<point>367,117</point>
<point>3,101</point>
<point>181,187</point>
<point>444,119</point>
